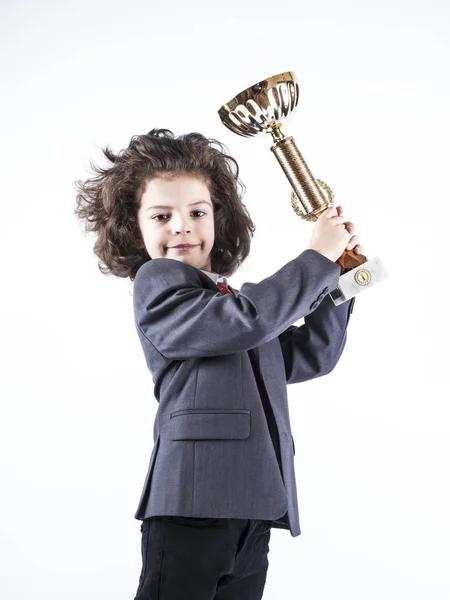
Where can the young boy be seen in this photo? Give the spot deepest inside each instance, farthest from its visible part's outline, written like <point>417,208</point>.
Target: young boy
<point>169,214</point>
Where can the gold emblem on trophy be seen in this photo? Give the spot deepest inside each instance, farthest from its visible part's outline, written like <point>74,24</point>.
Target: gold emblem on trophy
<point>261,108</point>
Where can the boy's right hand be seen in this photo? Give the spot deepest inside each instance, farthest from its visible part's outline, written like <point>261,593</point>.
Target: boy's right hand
<point>330,236</point>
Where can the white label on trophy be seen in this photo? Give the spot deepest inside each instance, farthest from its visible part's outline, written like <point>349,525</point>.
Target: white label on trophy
<point>359,279</point>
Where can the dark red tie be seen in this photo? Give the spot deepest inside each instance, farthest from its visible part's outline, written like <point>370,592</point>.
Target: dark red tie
<point>223,287</point>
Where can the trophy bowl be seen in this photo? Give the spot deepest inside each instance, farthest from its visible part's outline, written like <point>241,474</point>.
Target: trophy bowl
<point>262,106</point>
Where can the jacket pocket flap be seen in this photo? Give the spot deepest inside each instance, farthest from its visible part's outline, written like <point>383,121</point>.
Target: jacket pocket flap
<point>210,424</point>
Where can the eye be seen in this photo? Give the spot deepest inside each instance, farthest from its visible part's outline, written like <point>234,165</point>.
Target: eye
<point>166,215</point>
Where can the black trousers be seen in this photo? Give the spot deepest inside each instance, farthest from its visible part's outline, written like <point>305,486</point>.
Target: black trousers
<point>190,558</point>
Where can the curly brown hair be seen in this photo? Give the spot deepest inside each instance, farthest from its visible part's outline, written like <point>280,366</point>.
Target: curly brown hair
<point>108,203</point>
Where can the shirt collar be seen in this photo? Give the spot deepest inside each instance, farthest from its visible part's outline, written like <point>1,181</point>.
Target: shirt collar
<point>216,277</point>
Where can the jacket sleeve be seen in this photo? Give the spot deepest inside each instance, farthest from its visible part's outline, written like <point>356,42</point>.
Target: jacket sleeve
<point>313,349</point>
<point>182,319</point>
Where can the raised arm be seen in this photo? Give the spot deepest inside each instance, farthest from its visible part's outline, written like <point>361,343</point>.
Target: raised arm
<point>183,320</point>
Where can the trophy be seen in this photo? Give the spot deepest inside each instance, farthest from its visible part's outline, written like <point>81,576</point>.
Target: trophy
<point>262,108</point>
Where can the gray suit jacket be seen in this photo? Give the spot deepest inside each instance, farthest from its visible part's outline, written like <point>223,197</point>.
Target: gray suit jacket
<point>213,455</point>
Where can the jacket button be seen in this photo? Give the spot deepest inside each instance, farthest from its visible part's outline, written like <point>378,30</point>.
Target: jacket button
<point>325,291</point>
<point>314,305</point>
<point>321,297</point>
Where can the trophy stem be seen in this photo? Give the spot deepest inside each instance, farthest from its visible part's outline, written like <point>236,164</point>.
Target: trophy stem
<point>309,193</point>
<point>300,177</point>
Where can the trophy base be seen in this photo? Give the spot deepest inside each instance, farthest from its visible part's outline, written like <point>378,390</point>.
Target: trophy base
<point>359,279</point>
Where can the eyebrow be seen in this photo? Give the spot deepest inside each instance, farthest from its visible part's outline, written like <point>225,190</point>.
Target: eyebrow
<point>166,206</point>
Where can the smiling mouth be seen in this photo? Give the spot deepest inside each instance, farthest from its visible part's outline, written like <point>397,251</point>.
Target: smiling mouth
<point>182,248</point>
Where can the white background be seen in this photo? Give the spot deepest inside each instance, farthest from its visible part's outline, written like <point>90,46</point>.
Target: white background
<point>77,405</point>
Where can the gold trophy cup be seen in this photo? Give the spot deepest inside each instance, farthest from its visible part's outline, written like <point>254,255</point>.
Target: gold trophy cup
<point>261,108</point>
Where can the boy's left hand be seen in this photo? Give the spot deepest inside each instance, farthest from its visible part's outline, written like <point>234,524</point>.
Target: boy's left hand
<point>353,243</point>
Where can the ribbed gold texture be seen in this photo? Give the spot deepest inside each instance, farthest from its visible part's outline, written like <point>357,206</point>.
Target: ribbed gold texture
<point>301,179</point>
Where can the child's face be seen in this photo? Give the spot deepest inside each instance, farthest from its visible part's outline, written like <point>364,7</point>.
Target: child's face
<point>176,222</point>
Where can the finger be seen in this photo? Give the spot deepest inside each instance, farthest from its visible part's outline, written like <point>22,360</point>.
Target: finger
<point>353,242</point>
<point>331,211</point>
<point>349,226</point>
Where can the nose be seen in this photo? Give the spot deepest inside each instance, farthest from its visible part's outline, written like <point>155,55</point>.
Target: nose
<point>179,224</point>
